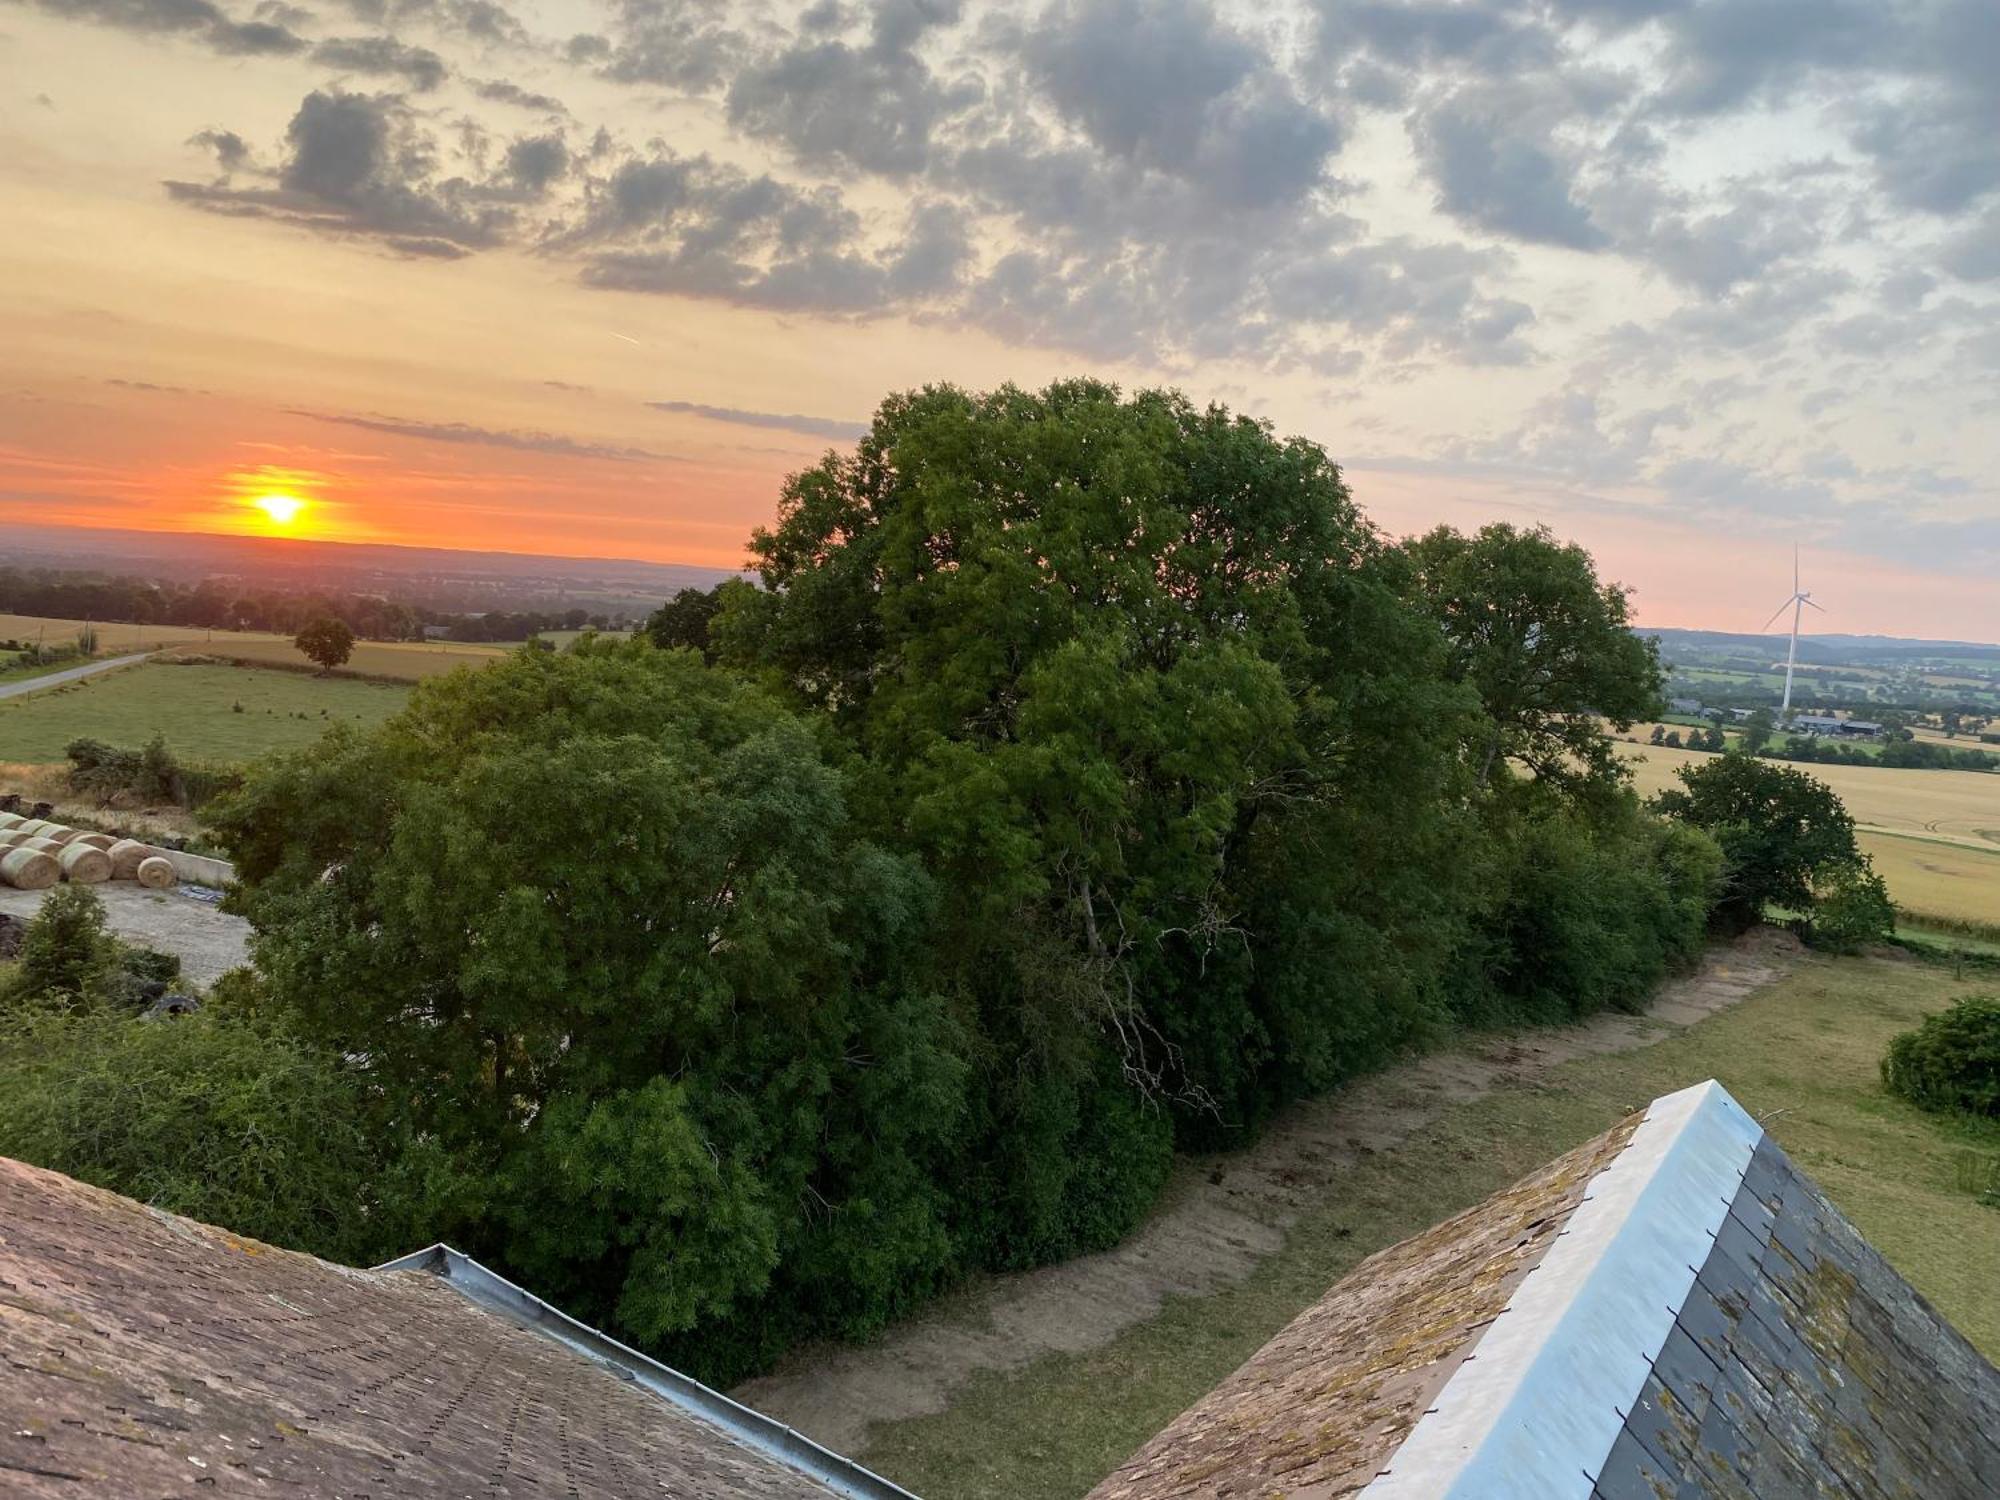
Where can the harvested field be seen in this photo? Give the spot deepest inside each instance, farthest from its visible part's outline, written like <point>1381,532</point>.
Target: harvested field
<point>208,714</point>
<point>406,661</point>
<point>1934,835</point>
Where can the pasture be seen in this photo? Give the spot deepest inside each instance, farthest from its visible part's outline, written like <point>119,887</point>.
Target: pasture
<point>207,714</point>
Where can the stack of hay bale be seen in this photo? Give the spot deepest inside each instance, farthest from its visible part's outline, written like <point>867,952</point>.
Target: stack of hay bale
<point>35,854</point>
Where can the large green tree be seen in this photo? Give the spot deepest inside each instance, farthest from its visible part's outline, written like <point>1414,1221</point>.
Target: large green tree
<point>1780,830</point>
<point>1544,642</point>
<point>1131,676</point>
<point>601,921</point>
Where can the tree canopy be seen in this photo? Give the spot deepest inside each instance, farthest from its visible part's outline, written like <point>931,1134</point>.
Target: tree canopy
<point>1546,645</point>
<point>1087,779</point>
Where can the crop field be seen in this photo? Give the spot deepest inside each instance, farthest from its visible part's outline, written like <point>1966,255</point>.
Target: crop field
<point>116,640</point>
<point>1944,880</point>
<point>1934,835</point>
<point>407,661</point>
<point>212,714</point>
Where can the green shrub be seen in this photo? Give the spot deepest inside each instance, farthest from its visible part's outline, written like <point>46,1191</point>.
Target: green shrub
<point>1851,907</point>
<point>1952,1061</point>
<point>212,1116</point>
<point>68,958</point>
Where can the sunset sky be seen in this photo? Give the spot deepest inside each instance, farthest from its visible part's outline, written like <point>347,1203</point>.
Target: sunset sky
<point>1693,281</point>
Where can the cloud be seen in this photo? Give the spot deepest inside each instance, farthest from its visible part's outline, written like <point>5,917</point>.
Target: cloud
<point>501,91</point>
<point>679,44</point>
<point>1166,86</point>
<point>364,166</point>
<point>1505,180</point>
<point>383,56</point>
<point>873,107</point>
<point>197,20</point>
<point>822,427</point>
<point>488,437</point>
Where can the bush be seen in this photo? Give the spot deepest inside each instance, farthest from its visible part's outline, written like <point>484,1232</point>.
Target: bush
<point>211,1116</point>
<point>1952,1061</point>
<point>1851,907</point>
<point>151,774</point>
<point>68,959</point>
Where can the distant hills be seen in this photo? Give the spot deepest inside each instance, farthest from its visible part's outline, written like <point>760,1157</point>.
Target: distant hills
<point>1850,650</point>
<point>438,577</point>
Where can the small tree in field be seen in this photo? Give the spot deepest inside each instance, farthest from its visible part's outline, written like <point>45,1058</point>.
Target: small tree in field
<point>327,641</point>
<point>1781,831</point>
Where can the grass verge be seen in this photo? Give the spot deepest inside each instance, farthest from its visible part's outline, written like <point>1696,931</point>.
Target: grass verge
<point>218,715</point>
<point>1802,1055</point>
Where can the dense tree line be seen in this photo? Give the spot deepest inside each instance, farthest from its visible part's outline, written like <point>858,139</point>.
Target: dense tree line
<point>66,595</point>
<point>1087,780</point>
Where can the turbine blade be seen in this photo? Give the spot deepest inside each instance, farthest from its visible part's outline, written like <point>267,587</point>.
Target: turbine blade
<point>1809,604</point>
<point>1774,617</point>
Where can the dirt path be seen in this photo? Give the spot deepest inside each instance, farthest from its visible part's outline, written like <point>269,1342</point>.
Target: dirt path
<point>1222,1215</point>
<point>74,674</point>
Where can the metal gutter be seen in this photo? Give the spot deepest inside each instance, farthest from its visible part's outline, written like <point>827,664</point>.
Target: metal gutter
<point>1535,1409</point>
<point>751,1429</point>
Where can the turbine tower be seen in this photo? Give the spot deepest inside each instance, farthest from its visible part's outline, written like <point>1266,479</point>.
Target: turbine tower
<point>1796,604</point>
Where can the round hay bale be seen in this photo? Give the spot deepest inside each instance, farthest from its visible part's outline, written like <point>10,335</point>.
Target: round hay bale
<point>125,857</point>
<point>41,845</point>
<point>29,870</point>
<point>84,865</point>
<point>102,841</point>
<point>157,873</point>
<point>36,825</point>
<point>55,833</point>
<point>9,819</point>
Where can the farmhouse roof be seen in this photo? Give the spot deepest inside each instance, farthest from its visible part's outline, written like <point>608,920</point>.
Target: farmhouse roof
<point>1672,1310</point>
<point>148,1355</point>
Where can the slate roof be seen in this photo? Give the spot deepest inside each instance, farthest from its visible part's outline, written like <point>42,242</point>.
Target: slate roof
<point>1672,1312</point>
<point>147,1355</point>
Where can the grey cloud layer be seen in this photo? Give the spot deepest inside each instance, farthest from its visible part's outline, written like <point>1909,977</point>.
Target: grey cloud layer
<point>1170,181</point>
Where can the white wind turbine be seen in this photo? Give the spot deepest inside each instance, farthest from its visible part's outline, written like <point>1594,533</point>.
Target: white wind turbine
<point>1796,604</point>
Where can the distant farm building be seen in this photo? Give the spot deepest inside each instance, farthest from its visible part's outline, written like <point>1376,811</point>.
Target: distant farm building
<point>1684,706</point>
<point>1827,724</point>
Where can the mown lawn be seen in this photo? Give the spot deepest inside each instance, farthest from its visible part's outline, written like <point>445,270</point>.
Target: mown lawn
<point>210,714</point>
<point>1802,1056</point>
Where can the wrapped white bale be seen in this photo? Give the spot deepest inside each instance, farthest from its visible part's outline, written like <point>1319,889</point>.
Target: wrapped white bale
<point>156,872</point>
<point>126,855</point>
<point>28,870</point>
<point>84,865</point>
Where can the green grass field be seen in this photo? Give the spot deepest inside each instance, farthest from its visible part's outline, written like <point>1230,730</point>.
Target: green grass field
<point>195,708</point>
<point>1802,1056</point>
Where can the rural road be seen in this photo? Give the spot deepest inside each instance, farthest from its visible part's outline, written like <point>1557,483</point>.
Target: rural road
<point>74,674</point>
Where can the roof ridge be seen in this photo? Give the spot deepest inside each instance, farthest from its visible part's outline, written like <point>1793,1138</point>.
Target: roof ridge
<point>1537,1405</point>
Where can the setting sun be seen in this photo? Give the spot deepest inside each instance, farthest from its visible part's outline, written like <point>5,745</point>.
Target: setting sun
<point>281,509</point>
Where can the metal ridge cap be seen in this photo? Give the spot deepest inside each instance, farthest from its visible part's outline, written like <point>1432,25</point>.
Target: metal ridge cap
<point>1535,1408</point>
<point>765,1435</point>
